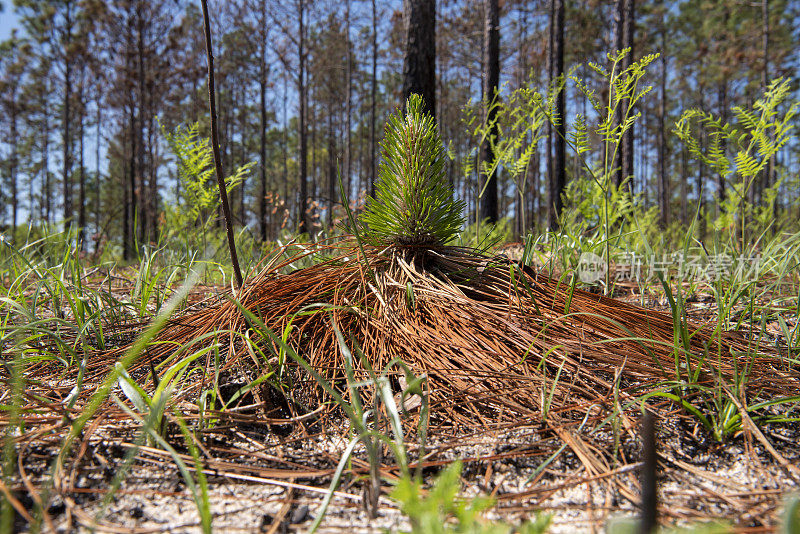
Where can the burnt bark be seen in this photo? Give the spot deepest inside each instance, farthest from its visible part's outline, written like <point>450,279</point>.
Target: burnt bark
<point>67,120</point>
<point>373,98</point>
<point>419,65</point>
<point>331,171</point>
<point>663,180</point>
<point>81,165</point>
<point>142,210</point>
<point>491,83</point>
<point>13,162</point>
<point>46,155</point>
<point>558,178</point>
<point>302,217</point>
<point>348,153</point>
<point>262,101</point>
<point>625,18</point>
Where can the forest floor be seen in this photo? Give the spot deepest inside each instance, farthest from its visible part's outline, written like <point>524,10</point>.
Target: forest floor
<point>270,475</point>
<point>698,481</point>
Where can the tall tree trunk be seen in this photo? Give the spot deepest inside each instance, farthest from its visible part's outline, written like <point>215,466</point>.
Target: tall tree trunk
<point>419,65</point>
<point>663,180</point>
<point>129,231</point>
<point>348,154</point>
<point>535,201</point>
<point>373,98</point>
<point>684,186</point>
<point>152,182</point>
<point>722,90</point>
<point>491,83</point>
<point>262,87</point>
<point>46,153</point>
<point>627,161</point>
<point>722,101</point>
<point>624,39</point>
<point>302,218</point>
<point>12,171</point>
<point>97,178</point>
<point>82,167</point>
<point>559,178</point>
<point>312,134</point>
<point>67,157</point>
<point>548,157</point>
<point>285,140</point>
<point>331,169</point>
<point>765,77</point>
<point>141,205</point>
<point>243,118</point>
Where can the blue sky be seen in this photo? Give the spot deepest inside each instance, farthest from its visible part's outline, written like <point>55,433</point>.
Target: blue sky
<point>8,19</point>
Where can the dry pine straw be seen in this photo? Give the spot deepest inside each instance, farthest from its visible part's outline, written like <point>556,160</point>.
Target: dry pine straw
<point>499,344</point>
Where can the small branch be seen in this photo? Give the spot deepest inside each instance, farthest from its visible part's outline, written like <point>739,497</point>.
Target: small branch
<point>223,192</point>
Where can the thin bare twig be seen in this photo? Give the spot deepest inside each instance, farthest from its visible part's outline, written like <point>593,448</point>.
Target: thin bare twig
<point>223,193</point>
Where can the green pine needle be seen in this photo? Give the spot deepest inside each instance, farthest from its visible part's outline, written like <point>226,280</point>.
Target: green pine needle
<point>413,204</point>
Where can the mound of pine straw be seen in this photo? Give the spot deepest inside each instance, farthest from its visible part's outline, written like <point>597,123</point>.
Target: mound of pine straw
<point>498,343</point>
<point>506,350</point>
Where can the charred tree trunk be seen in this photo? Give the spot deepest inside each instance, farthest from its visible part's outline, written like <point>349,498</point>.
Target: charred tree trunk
<point>152,182</point>
<point>285,141</point>
<point>46,155</point>
<point>419,65</point>
<point>765,77</point>
<point>13,162</point>
<point>141,205</point>
<point>491,82</point>
<point>331,169</point>
<point>627,160</point>
<point>348,154</point>
<point>559,179</point>
<point>624,35</point>
<point>373,98</point>
<point>262,86</point>
<point>66,137</point>
<point>723,113</point>
<point>548,156</point>
<point>684,186</point>
<point>302,218</point>
<point>97,177</point>
<point>663,180</point>
<point>82,167</point>
<point>129,231</point>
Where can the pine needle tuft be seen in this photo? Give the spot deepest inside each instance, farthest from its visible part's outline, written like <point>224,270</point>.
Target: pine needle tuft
<point>413,204</point>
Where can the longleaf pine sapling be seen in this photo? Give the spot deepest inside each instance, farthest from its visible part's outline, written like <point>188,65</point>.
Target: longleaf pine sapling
<point>413,205</point>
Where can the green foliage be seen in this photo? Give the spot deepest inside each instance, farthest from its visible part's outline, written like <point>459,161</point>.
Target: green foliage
<point>632,526</point>
<point>414,203</point>
<point>484,235</point>
<point>756,136</point>
<point>585,198</point>
<point>518,122</point>
<point>199,195</point>
<point>364,419</point>
<point>623,90</point>
<point>791,516</point>
<point>442,511</point>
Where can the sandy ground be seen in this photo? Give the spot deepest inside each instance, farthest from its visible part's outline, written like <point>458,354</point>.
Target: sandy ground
<point>733,482</point>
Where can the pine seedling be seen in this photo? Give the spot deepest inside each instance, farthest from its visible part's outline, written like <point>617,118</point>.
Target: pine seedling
<point>413,205</point>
